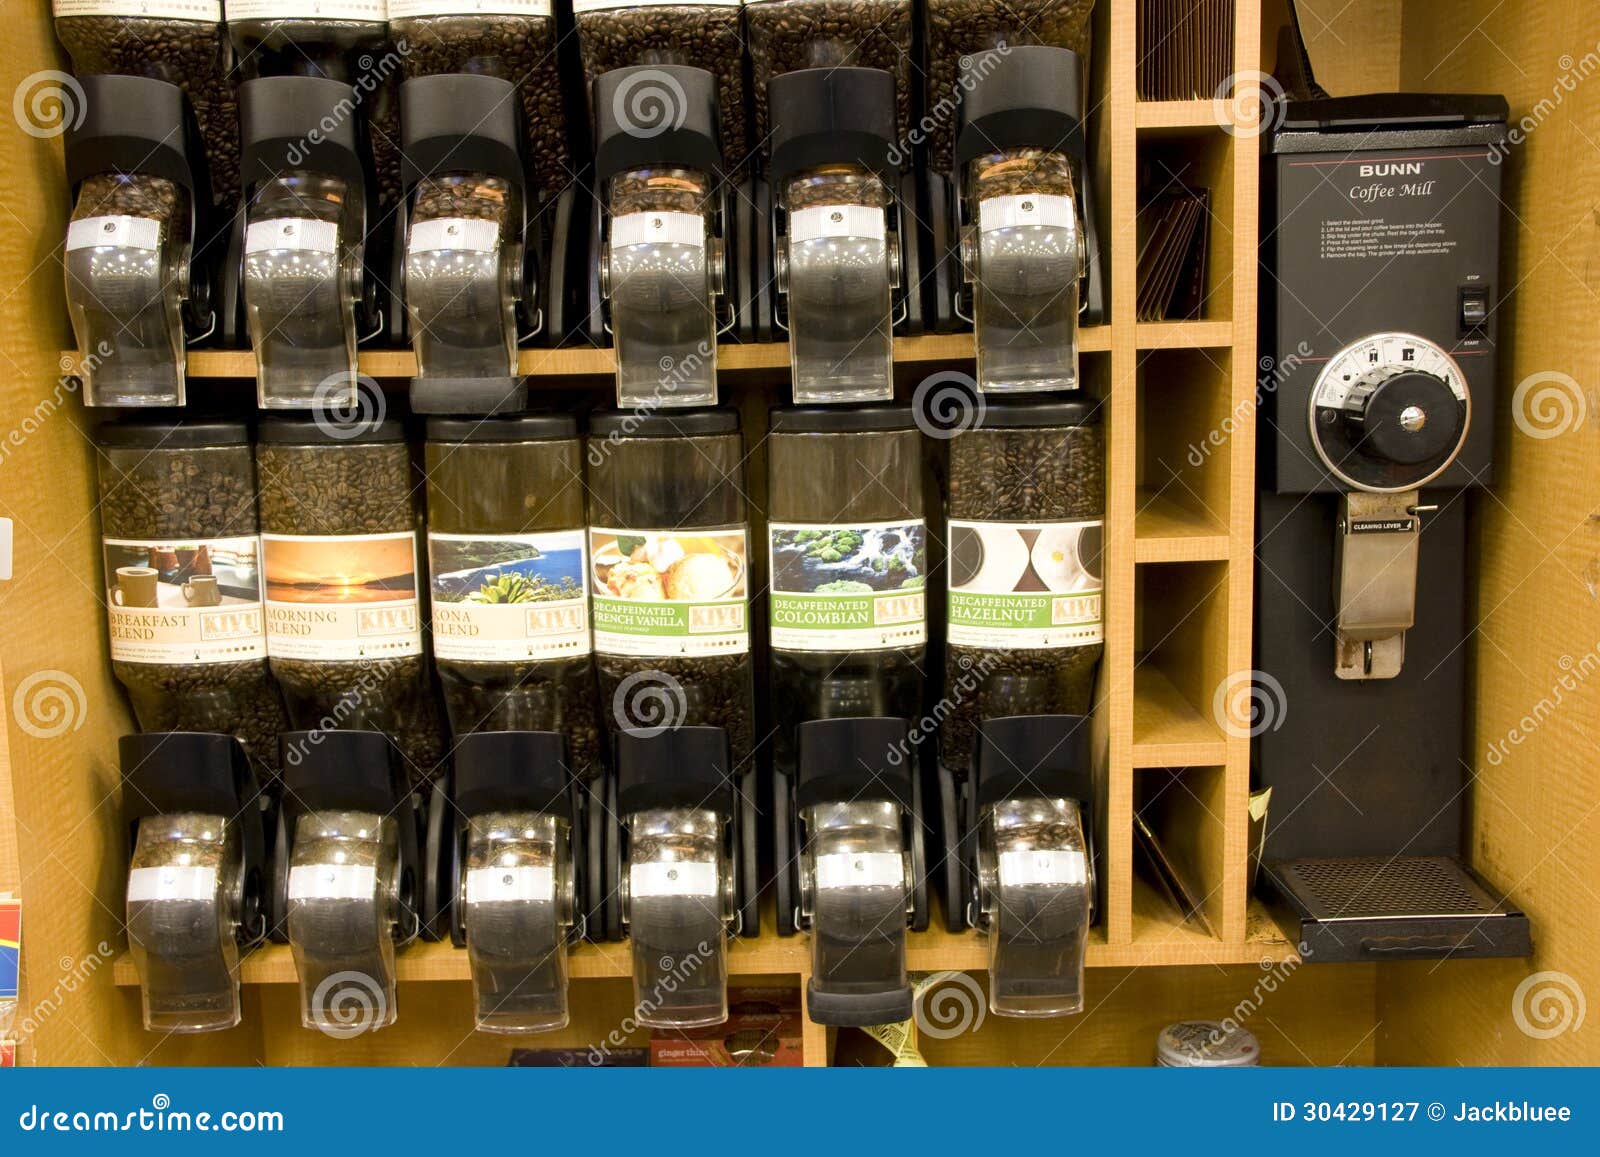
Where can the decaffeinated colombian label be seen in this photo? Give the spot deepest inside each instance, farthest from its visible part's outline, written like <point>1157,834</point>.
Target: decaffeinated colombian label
<point>509,597</point>
<point>341,596</point>
<point>184,602</point>
<point>1025,585</point>
<point>848,588</point>
<point>670,592</point>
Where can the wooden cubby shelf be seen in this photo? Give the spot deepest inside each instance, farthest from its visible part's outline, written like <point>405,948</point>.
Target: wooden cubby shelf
<point>1176,114</point>
<point>1167,530</point>
<point>1169,730</point>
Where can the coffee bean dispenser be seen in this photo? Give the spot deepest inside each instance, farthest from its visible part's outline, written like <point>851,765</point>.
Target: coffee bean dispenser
<point>136,291</point>
<point>1024,609</point>
<point>513,832</point>
<point>340,554</point>
<point>182,42</point>
<point>701,34</point>
<point>1022,235</point>
<point>347,875</point>
<point>514,40</point>
<point>195,886</point>
<point>302,239</point>
<point>468,289</point>
<point>183,580</point>
<point>662,258</point>
<point>507,531</point>
<point>838,230</point>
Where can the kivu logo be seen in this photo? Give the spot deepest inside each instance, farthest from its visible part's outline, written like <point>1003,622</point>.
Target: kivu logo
<point>1392,169</point>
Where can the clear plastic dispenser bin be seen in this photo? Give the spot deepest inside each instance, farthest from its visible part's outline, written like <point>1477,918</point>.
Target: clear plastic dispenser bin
<point>837,245</point>
<point>305,222</point>
<point>855,804</point>
<point>515,862</point>
<point>1023,251</point>
<point>134,292</point>
<point>350,838</point>
<point>662,259</point>
<point>1033,887</point>
<point>464,242</point>
<point>194,878</point>
<point>676,802</point>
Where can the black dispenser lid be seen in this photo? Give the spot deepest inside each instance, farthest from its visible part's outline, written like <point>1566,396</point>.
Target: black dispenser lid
<point>863,758</point>
<point>679,767</point>
<point>512,771</point>
<point>1030,96</point>
<point>133,124</point>
<point>164,772</point>
<point>1395,110</point>
<point>1034,755</point>
<point>460,123</point>
<point>503,428</point>
<point>340,771</point>
<point>300,124</point>
<point>161,434</point>
<point>297,430</point>
<point>653,115</point>
<point>831,116</point>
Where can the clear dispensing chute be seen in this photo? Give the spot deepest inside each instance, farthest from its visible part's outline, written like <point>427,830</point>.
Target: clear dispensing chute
<point>838,266</point>
<point>184,902</point>
<point>678,904</point>
<point>1036,893</point>
<point>342,914</point>
<point>518,892</point>
<point>856,891</point>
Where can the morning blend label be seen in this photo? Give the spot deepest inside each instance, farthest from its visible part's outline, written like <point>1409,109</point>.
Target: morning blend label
<point>505,598</point>
<point>1025,585</point>
<point>341,596</point>
<point>848,588</point>
<point>670,592</point>
<point>189,601</point>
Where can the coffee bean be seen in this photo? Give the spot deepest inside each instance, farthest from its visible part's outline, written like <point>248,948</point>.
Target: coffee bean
<point>138,195</point>
<point>191,54</point>
<point>521,49</point>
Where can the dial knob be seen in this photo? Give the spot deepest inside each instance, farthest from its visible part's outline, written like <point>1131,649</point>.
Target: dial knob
<point>1403,416</point>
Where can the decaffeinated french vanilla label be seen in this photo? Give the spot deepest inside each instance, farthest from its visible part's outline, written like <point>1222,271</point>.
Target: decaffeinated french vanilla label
<point>670,592</point>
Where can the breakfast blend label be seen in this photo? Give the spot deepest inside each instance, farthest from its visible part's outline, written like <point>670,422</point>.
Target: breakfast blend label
<point>195,601</point>
<point>848,588</point>
<point>1025,585</point>
<point>670,592</point>
<point>504,598</point>
<point>345,596</point>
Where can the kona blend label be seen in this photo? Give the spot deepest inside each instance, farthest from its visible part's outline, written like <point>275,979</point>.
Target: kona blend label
<point>351,596</point>
<point>1025,585</point>
<point>185,602</point>
<point>670,592</point>
<point>848,588</point>
<point>509,597</point>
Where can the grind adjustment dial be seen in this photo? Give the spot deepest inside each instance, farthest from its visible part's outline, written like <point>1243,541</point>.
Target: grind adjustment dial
<point>1389,413</point>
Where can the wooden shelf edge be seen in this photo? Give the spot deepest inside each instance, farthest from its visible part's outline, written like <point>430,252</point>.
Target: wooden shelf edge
<point>1176,114</point>
<point>1166,530</point>
<point>1179,335</point>
<point>1168,731</point>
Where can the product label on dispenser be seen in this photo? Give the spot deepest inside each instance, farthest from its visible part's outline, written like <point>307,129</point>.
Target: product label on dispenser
<point>1025,585</point>
<point>860,870</point>
<point>333,882</point>
<point>195,601</point>
<point>524,882</point>
<point>454,233</point>
<point>118,231</point>
<point>1016,210</point>
<point>309,9</point>
<point>406,9</point>
<point>657,879</point>
<point>301,234</point>
<point>506,598</point>
<point>351,596</point>
<point>848,588</point>
<point>172,882</point>
<point>670,592</point>
<point>822,221</point>
<point>658,228</point>
<point>602,5</point>
<point>207,10</point>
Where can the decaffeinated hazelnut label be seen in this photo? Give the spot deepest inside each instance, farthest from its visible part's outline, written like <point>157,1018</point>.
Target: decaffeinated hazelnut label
<point>670,592</point>
<point>184,602</point>
<point>509,597</point>
<point>1025,585</point>
<point>848,588</point>
<point>348,596</point>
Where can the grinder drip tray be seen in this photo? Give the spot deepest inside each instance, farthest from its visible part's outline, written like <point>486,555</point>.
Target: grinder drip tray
<point>1393,908</point>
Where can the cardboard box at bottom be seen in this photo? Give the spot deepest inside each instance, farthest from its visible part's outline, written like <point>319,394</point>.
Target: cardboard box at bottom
<point>763,1030</point>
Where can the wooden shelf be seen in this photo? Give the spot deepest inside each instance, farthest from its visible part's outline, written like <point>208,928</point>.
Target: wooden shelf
<point>1176,114</point>
<point>1165,530</point>
<point>1168,730</point>
<point>1179,335</point>
<point>767,357</point>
